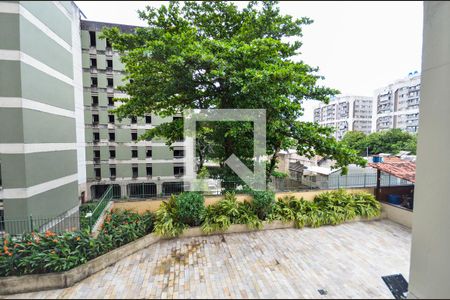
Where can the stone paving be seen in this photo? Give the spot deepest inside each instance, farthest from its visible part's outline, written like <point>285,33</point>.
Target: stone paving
<point>346,260</point>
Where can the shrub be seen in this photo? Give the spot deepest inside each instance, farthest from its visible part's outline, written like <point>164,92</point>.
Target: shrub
<point>328,208</point>
<point>168,223</point>
<point>366,205</point>
<point>37,253</point>
<point>190,208</point>
<point>220,216</point>
<point>263,203</point>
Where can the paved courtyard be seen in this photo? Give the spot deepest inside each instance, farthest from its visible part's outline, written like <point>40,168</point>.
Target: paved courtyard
<point>346,260</point>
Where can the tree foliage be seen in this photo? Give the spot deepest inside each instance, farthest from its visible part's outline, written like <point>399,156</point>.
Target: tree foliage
<point>388,141</point>
<point>201,55</point>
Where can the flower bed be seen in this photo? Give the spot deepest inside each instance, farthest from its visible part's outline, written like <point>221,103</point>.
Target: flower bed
<point>38,253</point>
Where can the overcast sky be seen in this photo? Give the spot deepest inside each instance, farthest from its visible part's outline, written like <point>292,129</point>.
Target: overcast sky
<point>358,46</point>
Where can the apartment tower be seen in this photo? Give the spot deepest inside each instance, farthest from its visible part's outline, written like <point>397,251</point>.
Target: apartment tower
<point>345,113</point>
<point>397,105</point>
<point>114,156</point>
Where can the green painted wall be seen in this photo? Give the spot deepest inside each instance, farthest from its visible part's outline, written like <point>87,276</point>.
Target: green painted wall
<point>11,129</point>
<point>162,169</point>
<point>48,204</point>
<point>123,152</point>
<point>117,64</point>
<point>10,83</point>
<point>52,17</point>
<point>101,62</point>
<point>85,40</point>
<point>124,170</point>
<point>44,88</point>
<point>161,152</point>
<point>85,60</point>
<point>49,128</point>
<point>9,31</point>
<point>13,170</point>
<point>38,45</point>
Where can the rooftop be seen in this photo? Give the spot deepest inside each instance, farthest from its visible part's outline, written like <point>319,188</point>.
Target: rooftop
<point>347,261</point>
<point>397,167</point>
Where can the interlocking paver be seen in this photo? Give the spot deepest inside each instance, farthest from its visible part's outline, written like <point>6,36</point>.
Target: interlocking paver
<point>346,260</point>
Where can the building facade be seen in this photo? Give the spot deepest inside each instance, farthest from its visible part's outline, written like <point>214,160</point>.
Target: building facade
<point>114,156</point>
<point>397,105</point>
<point>41,110</point>
<point>346,113</point>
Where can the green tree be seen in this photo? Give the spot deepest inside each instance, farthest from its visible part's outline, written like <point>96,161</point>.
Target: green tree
<point>213,55</point>
<point>387,141</point>
<point>356,140</point>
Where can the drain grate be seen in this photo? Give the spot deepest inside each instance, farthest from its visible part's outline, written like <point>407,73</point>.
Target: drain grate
<point>397,284</point>
<point>322,292</point>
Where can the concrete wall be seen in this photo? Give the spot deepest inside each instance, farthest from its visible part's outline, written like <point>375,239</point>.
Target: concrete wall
<point>430,263</point>
<point>397,214</point>
<point>153,205</point>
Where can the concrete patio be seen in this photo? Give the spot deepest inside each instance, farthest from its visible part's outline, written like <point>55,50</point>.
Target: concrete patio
<point>346,260</point>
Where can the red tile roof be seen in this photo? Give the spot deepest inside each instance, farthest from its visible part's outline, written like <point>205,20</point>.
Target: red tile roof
<point>397,167</point>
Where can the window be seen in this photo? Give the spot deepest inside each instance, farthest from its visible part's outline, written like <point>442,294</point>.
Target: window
<point>96,136</point>
<point>133,120</point>
<point>178,171</point>
<point>178,153</point>
<point>112,153</point>
<point>149,170</point>
<point>92,38</point>
<point>134,153</point>
<point>110,82</point>
<point>134,170</point>
<point>97,154</point>
<point>112,172</point>
<point>134,136</point>
<point>94,100</point>
<point>111,119</point>
<point>95,119</point>
<point>177,118</point>
<point>108,43</point>
<point>93,63</point>
<point>148,119</point>
<point>109,63</point>
<point>98,173</point>
<point>149,153</point>
<point>112,136</point>
<point>110,101</point>
<point>94,82</point>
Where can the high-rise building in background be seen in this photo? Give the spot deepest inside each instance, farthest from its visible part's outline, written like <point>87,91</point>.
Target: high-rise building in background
<point>114,156</point>
<point>346,113</point>
<point>397,105</point>
<point>41,110</point>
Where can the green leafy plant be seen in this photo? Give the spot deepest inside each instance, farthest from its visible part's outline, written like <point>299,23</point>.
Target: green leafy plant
<point>220,216</point>
<point>366,205</point>
<point>168,223</point>
<point>190,208</point>
<point>37,253</point>
<point>263,203</point>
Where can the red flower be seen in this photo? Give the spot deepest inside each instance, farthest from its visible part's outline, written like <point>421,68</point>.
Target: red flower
<point>48,233</point>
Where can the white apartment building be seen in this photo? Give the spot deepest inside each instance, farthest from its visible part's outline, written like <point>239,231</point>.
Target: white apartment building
<point>346,113</point>
<point>397,105</point>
